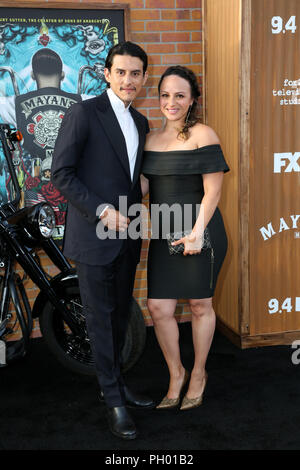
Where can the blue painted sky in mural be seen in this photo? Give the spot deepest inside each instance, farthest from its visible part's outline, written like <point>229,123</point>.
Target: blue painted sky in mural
<point>77,46</point>
<point>82,47</point>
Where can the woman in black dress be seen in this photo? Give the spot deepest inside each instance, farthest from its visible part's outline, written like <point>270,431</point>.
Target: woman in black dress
<point>183,168</point>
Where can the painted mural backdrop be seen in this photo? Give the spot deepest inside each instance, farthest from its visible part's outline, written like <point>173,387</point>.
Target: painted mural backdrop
<point>49,59</point>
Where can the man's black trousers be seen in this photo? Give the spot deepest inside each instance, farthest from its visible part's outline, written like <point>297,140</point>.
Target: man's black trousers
<point>106,293</point>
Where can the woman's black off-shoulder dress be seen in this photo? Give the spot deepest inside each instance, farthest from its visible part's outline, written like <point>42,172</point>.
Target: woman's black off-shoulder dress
<point>175,177</point>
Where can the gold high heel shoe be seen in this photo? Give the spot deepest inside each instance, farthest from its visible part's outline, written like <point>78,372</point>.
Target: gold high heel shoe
<point>188,403</point>
<point>168,403</point>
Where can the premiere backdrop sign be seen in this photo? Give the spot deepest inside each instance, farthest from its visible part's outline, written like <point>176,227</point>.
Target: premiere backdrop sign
<point>275,167</point>
<point>50,58</point>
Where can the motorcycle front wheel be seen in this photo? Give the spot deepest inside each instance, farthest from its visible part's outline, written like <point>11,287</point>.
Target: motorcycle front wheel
<point>74,352</point>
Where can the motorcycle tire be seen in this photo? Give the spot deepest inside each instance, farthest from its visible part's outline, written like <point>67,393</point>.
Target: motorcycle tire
<point>74,352</point>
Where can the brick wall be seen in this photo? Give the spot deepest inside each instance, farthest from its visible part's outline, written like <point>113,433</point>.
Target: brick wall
<point>170,31</point>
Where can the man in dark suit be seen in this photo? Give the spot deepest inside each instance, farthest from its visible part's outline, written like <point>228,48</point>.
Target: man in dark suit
<point>97,159</point>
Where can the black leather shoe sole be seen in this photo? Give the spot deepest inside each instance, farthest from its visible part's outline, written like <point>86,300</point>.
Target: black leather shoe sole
<point>140,407</point>
<point>127,437</point>
<point>132,405</point>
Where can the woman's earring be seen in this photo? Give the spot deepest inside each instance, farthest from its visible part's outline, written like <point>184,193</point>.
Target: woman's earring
<point>188,114</point>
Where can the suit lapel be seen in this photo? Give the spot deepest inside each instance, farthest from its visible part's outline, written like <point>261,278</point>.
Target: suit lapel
<point>113,130</point>
<point>116,137</point>
<point>142,135</point>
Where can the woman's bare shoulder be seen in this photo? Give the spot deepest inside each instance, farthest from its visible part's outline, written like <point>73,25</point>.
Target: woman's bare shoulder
<point>151,138</point>
<point>205,135</point>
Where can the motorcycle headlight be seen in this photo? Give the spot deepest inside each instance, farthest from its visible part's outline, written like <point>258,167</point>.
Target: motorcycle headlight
<point>43,220</point>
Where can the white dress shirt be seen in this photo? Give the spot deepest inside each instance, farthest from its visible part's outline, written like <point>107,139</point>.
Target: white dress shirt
<point>128,127</point>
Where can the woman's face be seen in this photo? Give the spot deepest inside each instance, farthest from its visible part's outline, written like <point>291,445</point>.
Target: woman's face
<point>175,97</point>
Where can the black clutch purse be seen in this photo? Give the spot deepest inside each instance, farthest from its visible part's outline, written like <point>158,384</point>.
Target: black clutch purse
<point>178,249</point>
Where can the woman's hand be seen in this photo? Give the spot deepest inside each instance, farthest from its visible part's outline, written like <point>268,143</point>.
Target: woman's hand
<point>192,244</point>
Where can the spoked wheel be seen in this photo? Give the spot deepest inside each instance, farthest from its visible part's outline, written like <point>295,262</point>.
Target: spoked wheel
<point>74,352</point>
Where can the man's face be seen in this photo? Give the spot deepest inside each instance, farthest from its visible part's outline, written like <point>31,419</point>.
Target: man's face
<point>126,77</point>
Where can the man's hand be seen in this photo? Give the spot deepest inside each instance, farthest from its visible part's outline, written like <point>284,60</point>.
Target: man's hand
<point>114,220</point>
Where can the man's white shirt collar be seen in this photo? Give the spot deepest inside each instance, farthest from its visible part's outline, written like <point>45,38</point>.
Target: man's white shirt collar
<point>117,104</point>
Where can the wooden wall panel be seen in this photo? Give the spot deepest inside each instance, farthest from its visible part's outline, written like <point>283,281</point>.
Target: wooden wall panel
<point>221,104</point>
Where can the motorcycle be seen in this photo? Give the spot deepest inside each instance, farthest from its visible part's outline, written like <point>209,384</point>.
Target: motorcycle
<point>24,233</point>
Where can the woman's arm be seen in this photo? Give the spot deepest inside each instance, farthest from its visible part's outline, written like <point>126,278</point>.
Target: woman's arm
<point>144,185</point>
<point>212,183</point>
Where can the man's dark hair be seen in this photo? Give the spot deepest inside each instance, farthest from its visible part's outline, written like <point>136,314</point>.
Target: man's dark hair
<point>46,62</point>
<point>126,48</point>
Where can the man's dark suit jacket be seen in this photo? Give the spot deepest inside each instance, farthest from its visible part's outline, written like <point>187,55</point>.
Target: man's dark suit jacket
<point>90,167</point>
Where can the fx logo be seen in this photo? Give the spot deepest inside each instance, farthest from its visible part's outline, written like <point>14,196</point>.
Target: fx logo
<point>287,160</point>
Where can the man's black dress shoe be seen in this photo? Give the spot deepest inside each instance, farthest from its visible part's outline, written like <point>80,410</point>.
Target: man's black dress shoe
<point>120,422</point>
<point>134,400</point>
